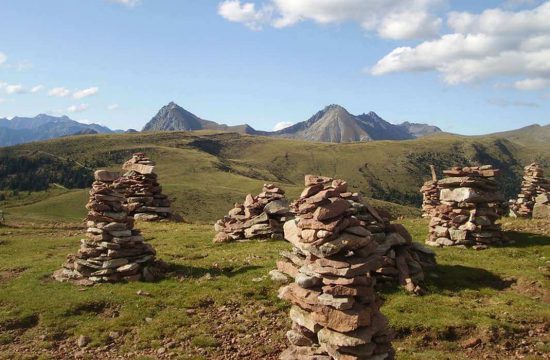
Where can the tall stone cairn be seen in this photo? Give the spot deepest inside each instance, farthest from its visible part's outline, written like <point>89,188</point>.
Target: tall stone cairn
<point>470,205</point>
<point>260,216</point>
<point>533,185</point>
<point>403,261</point>
<point>144,198</point>
<point>430,198</point>
<point>335,311</point>
<point>430,195</point>
<point>112,250</point>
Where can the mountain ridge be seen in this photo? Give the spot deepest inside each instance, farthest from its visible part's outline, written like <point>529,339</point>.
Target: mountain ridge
<point>331,124</point>
<point>20,130</point>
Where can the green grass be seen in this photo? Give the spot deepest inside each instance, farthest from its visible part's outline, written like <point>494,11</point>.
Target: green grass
<point>470,294</point>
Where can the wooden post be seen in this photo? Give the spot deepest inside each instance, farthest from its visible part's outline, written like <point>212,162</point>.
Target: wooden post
<point>434,176</point>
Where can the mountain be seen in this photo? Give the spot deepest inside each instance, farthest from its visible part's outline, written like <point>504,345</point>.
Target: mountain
<point>335,124</point>
<point>42,127</point>
<point>173,117</point>
<point>418,130</point>
<point>332,124</point>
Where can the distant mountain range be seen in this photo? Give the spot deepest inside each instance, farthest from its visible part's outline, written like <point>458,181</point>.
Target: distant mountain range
<point>332,124</point>
<point>42,127</point>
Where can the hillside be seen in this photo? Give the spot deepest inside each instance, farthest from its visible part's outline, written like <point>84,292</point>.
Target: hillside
<point>204,172</point>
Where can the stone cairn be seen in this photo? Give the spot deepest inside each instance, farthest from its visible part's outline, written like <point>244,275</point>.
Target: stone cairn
<point>259,216</point>
<point>335,311</point>
<point>534,188</point>
<point>470,205</point>
<point>403,260</point>
<point>144,198</point>
<point>430,195</point>
<point>113,250</point>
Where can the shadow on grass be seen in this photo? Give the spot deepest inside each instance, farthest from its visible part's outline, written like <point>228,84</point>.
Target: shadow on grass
<point>459,277</point>
<point>196,272</point>
<point>523,239</point>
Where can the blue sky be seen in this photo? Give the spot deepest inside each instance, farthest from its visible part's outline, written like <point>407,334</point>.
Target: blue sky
<point>116,62</point>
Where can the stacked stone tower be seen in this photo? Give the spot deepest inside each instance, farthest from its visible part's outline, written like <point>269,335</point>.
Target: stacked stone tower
<point>533,185</point>
<point>260,216</point>
<point>402,260</point>
<point>430,195</point>
<point>113,249</point>
<point>335,311</point>
<point>144,198</point>
<point>470,203</point>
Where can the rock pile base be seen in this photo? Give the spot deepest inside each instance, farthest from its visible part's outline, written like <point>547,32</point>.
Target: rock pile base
<point>541,209</point>
<point>144,198</point>
<point>403,261</point>
<point>470,205</point>
<point>335,311</point>
<point>259,216</point>
<point>113,249</point>
<point>533,185</point>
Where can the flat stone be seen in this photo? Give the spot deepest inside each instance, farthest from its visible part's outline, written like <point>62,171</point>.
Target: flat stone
<point>354,338</point>
<point>114,263</point>
<point>311,190</point>
<point>107,176</point>
<point>307,281</point>
<point>278,276</point>
<point>340,303</point>
<point>357,230</point>
<point>277,207</point>
<point>444,241</point>
<point>310,180</point>
<point>139,168</point>
<point>458,235</point>
<point>336,208</point>
<point>128,267</point>
<point>339,320</point>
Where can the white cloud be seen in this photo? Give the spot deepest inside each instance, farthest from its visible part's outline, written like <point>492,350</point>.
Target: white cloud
<point>516,103</point>
<point>3,58</point>
<point>483,46</point>
<point>37,88</point>
<point>3,100</point>
<point>129,3</point>
<point>14,89</point>
<point>59,92</point>
<point>80,94</point>
<point>113,107</point>
<point>393,19</point>
<point>532,84</point>
<point>78,108</point>
<point>282,125</point>
<point>20,66</point>
<point>246,13</point>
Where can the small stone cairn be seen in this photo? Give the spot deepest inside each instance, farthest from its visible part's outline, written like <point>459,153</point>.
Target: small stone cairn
<point>113,250</point>
<point>259,216</point>
<point>335,311</point>
<point>144,198</point>
<point>403,260</point>
<point>430,195</point>
<point>534,192</point>
<point>470,205</point>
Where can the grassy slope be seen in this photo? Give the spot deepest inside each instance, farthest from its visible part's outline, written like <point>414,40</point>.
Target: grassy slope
<point>205,172</point>
<point>471,294</point>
